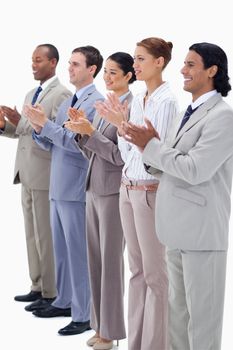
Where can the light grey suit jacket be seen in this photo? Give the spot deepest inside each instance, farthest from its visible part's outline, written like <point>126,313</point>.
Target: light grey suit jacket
<point>194,196</point>
<point>68,166</point>
<point>105,158</point>
<point>32,164</point>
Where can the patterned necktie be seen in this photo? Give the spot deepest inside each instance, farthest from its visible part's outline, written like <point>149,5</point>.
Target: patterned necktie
<point>39,89</point>
<point>186,117</point>
<point>74,100</point>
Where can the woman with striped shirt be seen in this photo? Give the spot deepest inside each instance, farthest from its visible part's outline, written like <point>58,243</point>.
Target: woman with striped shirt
<point>148,286</point>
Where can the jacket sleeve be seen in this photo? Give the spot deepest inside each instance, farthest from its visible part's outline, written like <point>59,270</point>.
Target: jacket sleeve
<point>213,147</point>
<point>61,137</point>
<point>58,135</point>
<point>104,148</point>
<point>9,131</point>
<point>42,142</point>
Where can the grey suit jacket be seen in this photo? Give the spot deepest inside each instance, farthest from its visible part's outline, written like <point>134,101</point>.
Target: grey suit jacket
<point>194,196</point>
<point>105,158</point>
<point>68,166</point>
<point>32,164</point>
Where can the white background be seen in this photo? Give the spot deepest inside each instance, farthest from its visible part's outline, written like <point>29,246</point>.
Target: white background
<point>110,26</point>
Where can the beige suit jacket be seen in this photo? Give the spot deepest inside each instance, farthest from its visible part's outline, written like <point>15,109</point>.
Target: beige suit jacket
<point>32,164</point>
<point>194,196</point>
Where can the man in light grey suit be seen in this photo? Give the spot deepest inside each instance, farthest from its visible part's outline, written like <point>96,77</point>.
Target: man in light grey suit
<point>193,199</point>
<point>32,170</point>
<point>67,194</point>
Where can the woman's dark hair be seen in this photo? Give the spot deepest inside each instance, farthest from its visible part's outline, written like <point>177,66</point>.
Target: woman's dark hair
<point>125,61</point>
<point>158,47</point>
<point>213,55</point>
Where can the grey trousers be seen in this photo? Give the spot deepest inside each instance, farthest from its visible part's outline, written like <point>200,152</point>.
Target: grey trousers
<point>196,299</point>
<point>105,245</point>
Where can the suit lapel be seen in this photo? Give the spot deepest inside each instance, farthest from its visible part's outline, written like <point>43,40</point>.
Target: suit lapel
<point>53,84</point>
<point>198,115</point>
<point>86,94</point>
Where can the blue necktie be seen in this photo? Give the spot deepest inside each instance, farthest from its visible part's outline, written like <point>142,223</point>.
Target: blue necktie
<point>186,117</point>
<point>74,100</point>
<point>39,89</point>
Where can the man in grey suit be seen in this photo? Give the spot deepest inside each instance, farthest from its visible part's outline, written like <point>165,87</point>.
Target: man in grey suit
<point>193,199</point>
<point>32,170</point>
<point>67,194</point>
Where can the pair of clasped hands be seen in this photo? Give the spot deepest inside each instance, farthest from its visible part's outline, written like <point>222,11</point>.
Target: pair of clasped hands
<point>111,110</point>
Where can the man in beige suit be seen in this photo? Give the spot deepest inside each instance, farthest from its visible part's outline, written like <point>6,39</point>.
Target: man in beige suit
<point>32,170</point>
<point>194,199</point>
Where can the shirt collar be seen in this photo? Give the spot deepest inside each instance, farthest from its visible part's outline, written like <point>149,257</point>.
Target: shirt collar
<point>81,91</point>
<point>47,82</point>
<point>203,98</point>
<point>123,97</point>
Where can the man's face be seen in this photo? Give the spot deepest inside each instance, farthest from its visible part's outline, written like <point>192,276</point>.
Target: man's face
<point>80,74</point>
<point>43,68</point>
<point>197,79</point>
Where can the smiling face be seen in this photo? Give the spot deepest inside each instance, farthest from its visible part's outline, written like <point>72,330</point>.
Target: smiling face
<point>43,67</point>
<point>197,79</point>
<point>114,77</point>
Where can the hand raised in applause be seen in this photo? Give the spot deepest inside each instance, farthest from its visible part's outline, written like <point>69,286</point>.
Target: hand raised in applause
<point>139,135</point>
<point>113,110</point>
<point>75,114</point>
<point>78,122</point>
<point>36,116</point>
<point>2,119</point>
<point>11,114</point>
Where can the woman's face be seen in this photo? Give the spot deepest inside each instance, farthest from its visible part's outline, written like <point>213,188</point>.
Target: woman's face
<point>145,65</point>
<point>114,77</point>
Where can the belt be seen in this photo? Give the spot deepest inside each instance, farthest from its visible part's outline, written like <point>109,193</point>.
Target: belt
<point>139,185</point>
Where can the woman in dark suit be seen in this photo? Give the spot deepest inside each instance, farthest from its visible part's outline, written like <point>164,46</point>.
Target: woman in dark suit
<point>99,142</point>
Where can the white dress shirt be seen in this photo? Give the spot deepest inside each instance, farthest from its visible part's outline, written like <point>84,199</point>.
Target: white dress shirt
<point>160,108</point>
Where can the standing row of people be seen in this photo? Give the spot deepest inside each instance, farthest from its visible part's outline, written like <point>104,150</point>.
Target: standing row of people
<point>104,157</point>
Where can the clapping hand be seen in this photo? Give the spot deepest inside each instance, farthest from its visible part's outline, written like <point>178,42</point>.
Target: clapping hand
<point>75,114</point>
<point>78,122</point>
<point>113,110</point>
<point>139,135</point>
<point>2,119</point>
<point>36,116</point>
<point>11,114</point>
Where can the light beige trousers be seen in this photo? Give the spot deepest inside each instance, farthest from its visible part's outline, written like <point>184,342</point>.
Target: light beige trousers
<point>148,286</point>
<point>196,299</point>
<point>39,241</point>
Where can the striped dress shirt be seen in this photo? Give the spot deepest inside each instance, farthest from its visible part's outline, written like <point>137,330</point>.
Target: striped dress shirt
<point>160,108</point>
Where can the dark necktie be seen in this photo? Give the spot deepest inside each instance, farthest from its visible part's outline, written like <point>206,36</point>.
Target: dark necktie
<point>39,89</point>
<point>74,100</point>
<point>186,117</point>
<point>100,124</point>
